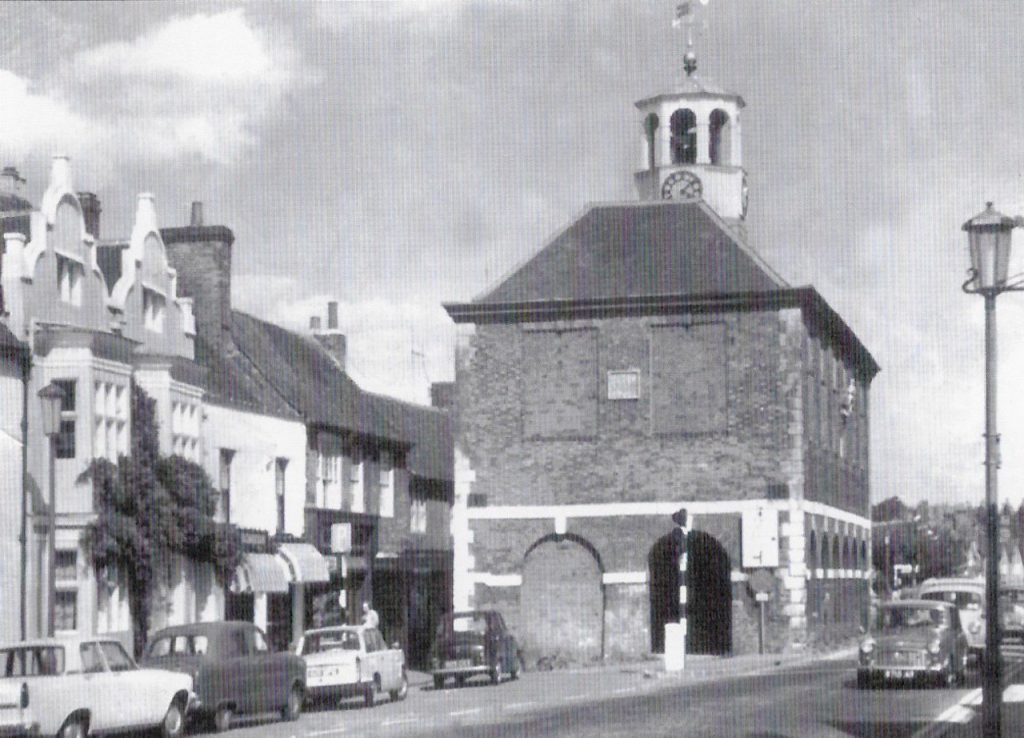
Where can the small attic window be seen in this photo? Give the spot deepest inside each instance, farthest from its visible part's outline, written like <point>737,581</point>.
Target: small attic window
<point>719,149</point>
<point>154,306</point>
<point>683,126</point>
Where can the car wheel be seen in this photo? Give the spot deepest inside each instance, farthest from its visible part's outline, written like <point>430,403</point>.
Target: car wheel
<point>496,674</point>
<point>173,724</point>
<point>293,708</point>
<point>222,718</point>
<point>74,727</point>
<point>403,689</point>
<point>863,680</point>
<point>370,693</point>
<point>460,681</point>
<point>438,682</point>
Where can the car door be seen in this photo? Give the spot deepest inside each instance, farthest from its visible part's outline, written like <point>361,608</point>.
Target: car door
<point>385,662</point>
<point>374,653</point>
<point>231,679</point>
<point>270,672</point>
<point>106,705</point>
<point>144,704</point>
<point>502,647</point>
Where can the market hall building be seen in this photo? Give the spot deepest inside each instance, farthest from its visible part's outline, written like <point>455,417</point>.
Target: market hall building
<point>644,360</point>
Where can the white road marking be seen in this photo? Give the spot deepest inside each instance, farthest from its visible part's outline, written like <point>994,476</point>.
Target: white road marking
<point>624,690</point>
<point>329,731</point>
<point>519,705</point>
<point>398,721</point>
<point>471,711</point>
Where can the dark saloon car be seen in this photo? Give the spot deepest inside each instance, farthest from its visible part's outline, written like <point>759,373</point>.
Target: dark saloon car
<point>474,643</point>
<point>914,640</point>
<point>232,668</point>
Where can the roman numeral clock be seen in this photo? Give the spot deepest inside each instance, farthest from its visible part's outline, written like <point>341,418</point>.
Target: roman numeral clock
<point>682,186</point>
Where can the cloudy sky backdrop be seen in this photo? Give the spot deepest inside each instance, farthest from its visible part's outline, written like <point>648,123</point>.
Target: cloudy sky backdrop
<point>394,156</point>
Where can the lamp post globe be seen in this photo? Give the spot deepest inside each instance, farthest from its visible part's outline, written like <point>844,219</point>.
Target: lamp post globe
<point>50,398</point>
<point>989,235</point>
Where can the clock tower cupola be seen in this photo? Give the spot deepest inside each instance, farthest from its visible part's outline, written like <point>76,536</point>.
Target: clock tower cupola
<point>691,140</point>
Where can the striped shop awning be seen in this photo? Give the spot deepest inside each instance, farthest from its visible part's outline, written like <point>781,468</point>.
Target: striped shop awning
<point>260,572</point>
<point>303,562</point>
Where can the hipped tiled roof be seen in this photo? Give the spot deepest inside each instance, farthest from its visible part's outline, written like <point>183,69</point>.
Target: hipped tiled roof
<point>637,250</point>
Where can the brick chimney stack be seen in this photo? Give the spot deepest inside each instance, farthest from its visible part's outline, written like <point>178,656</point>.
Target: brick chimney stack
<point>201,254</point>
<point>332,338</point>
<point>314,323</point>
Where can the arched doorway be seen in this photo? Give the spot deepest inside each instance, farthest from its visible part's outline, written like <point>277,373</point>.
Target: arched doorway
<point>561,600</point>
<point>709,593</point>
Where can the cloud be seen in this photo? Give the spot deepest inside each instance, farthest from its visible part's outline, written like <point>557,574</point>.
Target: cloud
<point>397,348</point>
<point>219,49</point>
<point>30,120</point>
<point>195,87</point>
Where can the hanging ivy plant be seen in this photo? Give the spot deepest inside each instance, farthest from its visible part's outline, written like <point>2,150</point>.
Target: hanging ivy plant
<point>149,507</point>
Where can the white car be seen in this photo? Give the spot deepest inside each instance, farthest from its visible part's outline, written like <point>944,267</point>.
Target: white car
<point>348,660</point>
<point>89,684</point>
<point>15,711</point>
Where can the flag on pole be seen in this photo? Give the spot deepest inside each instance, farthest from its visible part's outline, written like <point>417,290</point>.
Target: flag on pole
<point>684,11</point>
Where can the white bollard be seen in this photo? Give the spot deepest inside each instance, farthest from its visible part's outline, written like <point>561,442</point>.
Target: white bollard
<point>675,646</point>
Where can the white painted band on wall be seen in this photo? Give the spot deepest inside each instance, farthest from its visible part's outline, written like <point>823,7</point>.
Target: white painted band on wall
<point>561,525</point>
<point>682,595</point>
<point>624,577</point>
<point>496,580</point>
<point>738,576</point>
<point>656,509</point>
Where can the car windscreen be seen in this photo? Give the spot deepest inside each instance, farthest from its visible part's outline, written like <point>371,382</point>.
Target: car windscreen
<point>893,618</point>
<point>1012,596</point>
<point>117,658</point>
<point>32,661</point>
<point>963,600</point>
<point>466,624</point>
<point>177,645</point>
<point>335,640</point>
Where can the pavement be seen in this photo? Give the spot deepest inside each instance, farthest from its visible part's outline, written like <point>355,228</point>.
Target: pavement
<point>607,677</point>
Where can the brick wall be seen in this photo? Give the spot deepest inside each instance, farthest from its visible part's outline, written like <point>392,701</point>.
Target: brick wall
<point>624,459</point>
<point>202,257</point>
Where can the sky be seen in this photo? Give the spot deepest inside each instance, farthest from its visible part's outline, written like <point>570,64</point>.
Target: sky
<point>394,156</point>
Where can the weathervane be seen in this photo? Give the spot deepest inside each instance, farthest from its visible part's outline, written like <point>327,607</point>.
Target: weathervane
<point>685,17</point>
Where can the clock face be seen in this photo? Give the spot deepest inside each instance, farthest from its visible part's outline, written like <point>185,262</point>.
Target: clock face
<point>682,186</point>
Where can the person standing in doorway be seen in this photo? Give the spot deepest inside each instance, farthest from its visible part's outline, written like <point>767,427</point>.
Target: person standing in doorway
<point>370,617</point>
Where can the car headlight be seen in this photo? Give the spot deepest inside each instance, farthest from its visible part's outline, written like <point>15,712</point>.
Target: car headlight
<point>934,647</point>
<point>867,646</point>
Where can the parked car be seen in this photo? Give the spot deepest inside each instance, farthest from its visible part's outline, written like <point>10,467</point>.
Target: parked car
<point>912,640</point>
<point>968,594</point>
<point>1011,610</point>
<point>15,711</point>
<point>81,685</point>
<point>233,669</point>
<point>473,643</point>
<point>348,660</point>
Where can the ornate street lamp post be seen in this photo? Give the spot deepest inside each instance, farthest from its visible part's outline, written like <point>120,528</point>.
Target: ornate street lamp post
<point>989,235</point>
<point>50,398</point>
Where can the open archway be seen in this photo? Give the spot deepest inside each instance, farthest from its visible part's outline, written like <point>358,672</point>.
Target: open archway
<point>709,593</point>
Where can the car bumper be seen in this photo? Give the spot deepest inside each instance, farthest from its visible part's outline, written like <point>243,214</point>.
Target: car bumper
<point>335,691</point>
<point>461,671</point>
<point>894,672</point>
